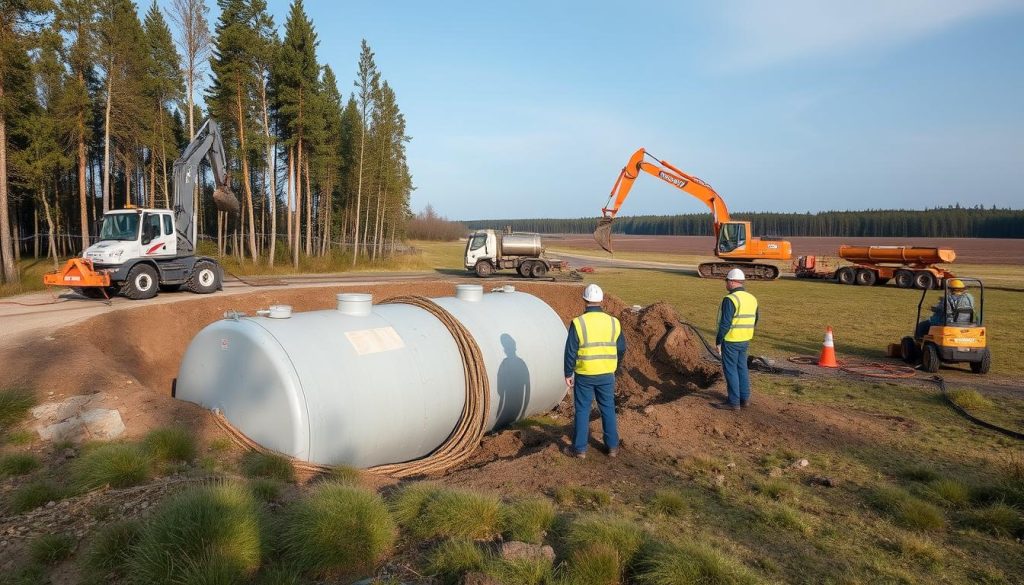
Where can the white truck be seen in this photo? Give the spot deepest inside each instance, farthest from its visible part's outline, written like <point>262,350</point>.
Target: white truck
<point>491,250</point>
<point>143,251</point>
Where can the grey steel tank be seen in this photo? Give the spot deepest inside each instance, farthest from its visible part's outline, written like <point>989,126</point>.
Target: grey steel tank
<point>518,244</point>
<point>365,384</point>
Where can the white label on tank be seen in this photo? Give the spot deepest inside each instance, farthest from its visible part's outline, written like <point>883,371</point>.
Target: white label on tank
<point>366,341</point>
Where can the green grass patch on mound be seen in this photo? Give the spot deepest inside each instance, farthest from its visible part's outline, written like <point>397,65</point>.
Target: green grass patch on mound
<point>18,464</point>
<point>204,535</point>
<point>14,405</point>
<point>527,520</point>
<point>338,529</point>
<point>592,530</point>
<point>598,564</point>
<point>581,496</point>
<point>969,399</point>
<point>344,474</point>
<point>686,564</point>
<point>32,495</point>
<point>118,465</point>
<point>921,473</point>
<point>775,488</point>
<point>171,445</point>
<point>669,502</point>
<point>998,519</point>
<point>434,512</point>
<point>255,464</point>
<point>109,551</point>
<point>907,510</point>
<point>50,549</point>
<point>949,492</point>
<point>453,558</point>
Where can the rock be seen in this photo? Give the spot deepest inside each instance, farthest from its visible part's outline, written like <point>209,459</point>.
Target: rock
<point>648,409</point>
<point>476,578</point>
<point>719,480</point>
<point>823,481</point>
<point>515,550</point>
<point>731,465</point>
<point>800,463</point>
<point>51,504</point>
<point>96,423</point>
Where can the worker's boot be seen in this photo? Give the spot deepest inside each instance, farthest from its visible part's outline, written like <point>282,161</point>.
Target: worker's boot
<point>745,403</point>
<point>726,406</point>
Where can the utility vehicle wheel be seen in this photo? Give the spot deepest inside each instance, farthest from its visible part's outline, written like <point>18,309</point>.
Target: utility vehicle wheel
<point>846,275</point>
<point>930,358</point>
<point>904,279</point>
<point>142,283</point>
<point>866,277</point>
<point>982,366</point>
<point>538,270</point>
<point>170,287</point>
<point>908,349</point>
<point>524,269</point>
<point>924,280</point>
<point>204,279</point>
<point>484,269</point>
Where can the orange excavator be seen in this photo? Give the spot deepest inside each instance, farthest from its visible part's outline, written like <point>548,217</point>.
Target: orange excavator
<point>733,239</point>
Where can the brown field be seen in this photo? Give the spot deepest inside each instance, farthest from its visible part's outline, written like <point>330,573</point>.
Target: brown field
<point>968,250</point>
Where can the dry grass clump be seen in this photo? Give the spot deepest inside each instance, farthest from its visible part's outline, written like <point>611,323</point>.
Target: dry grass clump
<point>620,534</point>
<point>32,495</point>
<point>689,563</point>
<point>428,511</point>
<point>783,517</point>
<point>907,510</point>
<point>949,492</point>
<point>109,551</point>
<point>527,520</point>
<point>969,399</point>
<point>538,571</point>
<point>255,464</point>
<point>776,489</point>
<point>18,464</point>
<point>453,558</point>
<point>669,502</point>
<point>50,549</point>
<point>171,445</point>
<point>118,465</point>
<point>582,496</point>
<point>919,473</point>
<point>338,529</point>
<point>998,519</point>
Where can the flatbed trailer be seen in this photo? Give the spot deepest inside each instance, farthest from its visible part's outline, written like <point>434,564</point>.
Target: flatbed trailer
<point>908,266</point>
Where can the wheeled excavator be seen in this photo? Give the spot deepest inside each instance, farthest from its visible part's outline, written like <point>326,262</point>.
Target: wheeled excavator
<point>143,251</point>
<point>734,241</point>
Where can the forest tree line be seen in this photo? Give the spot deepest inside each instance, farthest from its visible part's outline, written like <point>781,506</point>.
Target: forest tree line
<point>945,222</point>
<point>97,100</point>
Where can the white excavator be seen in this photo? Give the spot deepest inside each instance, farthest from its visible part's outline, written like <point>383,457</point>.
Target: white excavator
<point>144,251</point>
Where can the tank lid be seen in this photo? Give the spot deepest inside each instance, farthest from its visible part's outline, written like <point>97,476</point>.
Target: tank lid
<point>469,292</point>
<point>355,304</point>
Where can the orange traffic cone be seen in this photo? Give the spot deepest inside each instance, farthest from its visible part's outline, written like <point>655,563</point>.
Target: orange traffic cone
<point>828,351</point>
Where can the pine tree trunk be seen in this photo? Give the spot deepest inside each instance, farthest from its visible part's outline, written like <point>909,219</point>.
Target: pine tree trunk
<point>298,204</point>
<point>309,213</point>
<point>10,270</point>
<point>290,199</point>
<point>152,179</point>
<point>376,219</point>
<point>359,187</point>
<point>272,170</point>
<point>246,179</point>
<point>163,163</point>
<point>106,138</point>
<point>49,226</point>
<point>82,191</point>
<point>35,236</point>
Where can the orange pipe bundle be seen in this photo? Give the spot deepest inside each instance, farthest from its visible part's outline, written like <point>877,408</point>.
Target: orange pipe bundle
<point>897,254</point>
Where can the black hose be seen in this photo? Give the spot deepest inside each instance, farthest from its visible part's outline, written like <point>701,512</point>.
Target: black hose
<point>756,362</point>
<point>941,383</point>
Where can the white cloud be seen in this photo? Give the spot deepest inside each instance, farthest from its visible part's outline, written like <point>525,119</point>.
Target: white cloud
<point>760,33</point>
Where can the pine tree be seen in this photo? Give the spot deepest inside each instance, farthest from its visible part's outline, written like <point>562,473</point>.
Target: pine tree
<point>164,88</point>
<point>265,52</point>
<point>367,81</point>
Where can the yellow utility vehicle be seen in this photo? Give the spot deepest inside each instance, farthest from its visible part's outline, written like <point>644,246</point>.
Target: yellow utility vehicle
<point>960,335</point>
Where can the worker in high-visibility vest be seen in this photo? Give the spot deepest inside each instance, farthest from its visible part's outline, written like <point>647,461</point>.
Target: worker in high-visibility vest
<point>737,318</point>
<point>593,352</point>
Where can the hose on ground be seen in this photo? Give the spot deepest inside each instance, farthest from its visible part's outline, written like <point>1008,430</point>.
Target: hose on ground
<point>757,362</point>
<point>941,383</point>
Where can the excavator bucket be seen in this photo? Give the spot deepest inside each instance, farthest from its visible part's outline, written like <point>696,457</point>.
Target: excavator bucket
<point>603,233</point>
<point>225,200</point>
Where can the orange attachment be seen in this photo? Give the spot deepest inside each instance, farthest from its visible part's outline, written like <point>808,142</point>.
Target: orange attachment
<point>828,351</point>
<point>77,272</point>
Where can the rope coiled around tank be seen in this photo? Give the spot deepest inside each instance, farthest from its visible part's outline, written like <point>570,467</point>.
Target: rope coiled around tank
<point>463,440</point>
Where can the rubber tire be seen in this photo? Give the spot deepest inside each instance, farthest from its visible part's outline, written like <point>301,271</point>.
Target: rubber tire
<point>170,287</point>
<point>142,283</point>
<point>904,279</point>
<point>484,269</point>
<point>983,366</point>
<point>538,270</point>
<point>924,280</point>
<point>908,350</point>
<point>846,275</point>
<point>930,358</point>
<point>524,269</point>
<point>867,277</point>
<point>204,278</point>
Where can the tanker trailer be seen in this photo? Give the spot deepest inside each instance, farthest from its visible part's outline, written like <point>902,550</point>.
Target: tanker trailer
<point>490,250</point>
<point>908,266</point>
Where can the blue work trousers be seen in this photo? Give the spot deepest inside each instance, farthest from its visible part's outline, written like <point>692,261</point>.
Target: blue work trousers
<point>585,390</point>
<point>734,365</point>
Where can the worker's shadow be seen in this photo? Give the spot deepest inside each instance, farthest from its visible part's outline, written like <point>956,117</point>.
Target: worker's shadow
<point>513,384</point>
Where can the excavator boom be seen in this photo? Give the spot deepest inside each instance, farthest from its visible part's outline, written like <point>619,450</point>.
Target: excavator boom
<point>206,144</point>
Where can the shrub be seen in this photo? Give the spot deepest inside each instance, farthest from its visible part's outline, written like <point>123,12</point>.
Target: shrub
<point>950,492</point>
<point>204,535</point>
<point>693,563</point>
<point>582,496</point>
<point>620,534</point>
<point>669,502</point>
<point>18,464</point>
<point>171,445</point>
<point>14,404</point>
<point>255,464</point>
<point>527,520</point>
<point>453,558</point>
<point>31,496</point>
<point>115,464</point>
<point>338,528</point>
<point>595,565</point>
<point>50,549</point>
<point>432,512</point>
<point>998,519</point>
<point>907,510</point>
<point>969,399</point>
<point>109,551</point>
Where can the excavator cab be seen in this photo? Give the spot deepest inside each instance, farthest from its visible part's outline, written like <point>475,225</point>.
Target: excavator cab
<point>960,335</point>
<point>732,237</point>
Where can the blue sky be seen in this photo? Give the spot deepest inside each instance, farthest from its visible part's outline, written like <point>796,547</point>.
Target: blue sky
<point>530,109</point>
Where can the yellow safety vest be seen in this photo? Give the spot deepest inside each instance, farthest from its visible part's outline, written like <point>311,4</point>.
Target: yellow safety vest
<point>598,334</point>
<point>742,327</point>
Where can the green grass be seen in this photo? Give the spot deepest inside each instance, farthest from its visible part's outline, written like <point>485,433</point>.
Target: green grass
<point>453,558</point>
<point>255,464</point>
<point>171,445</point>
<point>18,464</point>
<point>998,519</point>
<point>619,533</point>
<point>598,564</point>
<point>345,474</point>
<point>776,489</point>
<point>522,572</point>
<point>907,510</point>
<point>14,405</point>
<point>118,465</point>
<point>109,551</point>
<point>20,437</point>
<point>50,549</point>
<point>917,472</point>
<point>527,520</point>
<point>429,511</point>
<point>32,495</point>
<point>265,489</point>
<point>338,529</point>
<point>686,564</point>
<point>949,492</point>
<point>204,535</point>
<point>969,399</point>
<point>582,496</point>
<point>669,502</point>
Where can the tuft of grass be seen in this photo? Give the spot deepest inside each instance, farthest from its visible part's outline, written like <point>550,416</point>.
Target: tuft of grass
<point>598,564</point>
<point>14,404</point>
<point>338,528</point>
<point>522,571</point>
<point>118,465</point>
<point>279,575</point>
<point>109,552</point>
<point>20,437</point>
<point>919,473</point>
<point>919,548</point>
<point>171,445</point>
<point>256,464</point>
<point>453,558</point>
<point>220,445</point>
<point>209,534</point>
<point>29,574</point>
<point>669,502</point>
<point>582,496</point>
<point>18,464</point>
<point>620,534</point>
<point>345,474</point>
<point>50,549</point>
<point>949,492</point>
<point>784,517</point>
<point>969,399</point>
<point>684,564</point>
<point>998,519</point>
<point>907,510</point>
<point>434,512</point>
<point>776,489</point>
<point>32,495</point>
<point>527,520</point>
<point>265,489</point>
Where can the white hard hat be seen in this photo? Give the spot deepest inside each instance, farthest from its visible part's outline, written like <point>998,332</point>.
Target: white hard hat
<point>593,294</point>
<point>736,274</point>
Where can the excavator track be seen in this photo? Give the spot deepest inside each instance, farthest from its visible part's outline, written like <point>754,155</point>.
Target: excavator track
<point>751,271</point>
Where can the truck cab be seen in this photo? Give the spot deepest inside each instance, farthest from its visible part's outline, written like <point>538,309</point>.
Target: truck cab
<point>127,234</point>
<point>480,245</point>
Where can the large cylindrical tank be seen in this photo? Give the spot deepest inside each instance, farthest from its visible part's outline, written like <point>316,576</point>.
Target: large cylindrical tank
<point>897,254</point>
<point>366,384</point>
<point>521,245</point>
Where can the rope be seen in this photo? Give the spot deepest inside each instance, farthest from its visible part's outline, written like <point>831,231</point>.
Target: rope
<point>459,445</point>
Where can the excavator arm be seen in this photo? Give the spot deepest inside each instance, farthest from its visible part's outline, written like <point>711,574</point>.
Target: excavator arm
<point>206,144</point>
